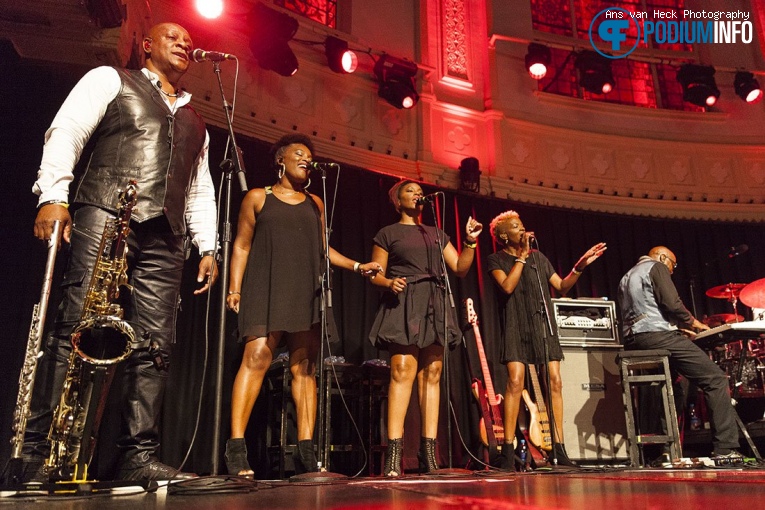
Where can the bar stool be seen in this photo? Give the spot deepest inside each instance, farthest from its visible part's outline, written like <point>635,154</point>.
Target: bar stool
<point>648,368</point>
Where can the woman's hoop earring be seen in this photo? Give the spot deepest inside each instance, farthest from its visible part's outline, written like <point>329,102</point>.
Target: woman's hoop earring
<point>282,170</point>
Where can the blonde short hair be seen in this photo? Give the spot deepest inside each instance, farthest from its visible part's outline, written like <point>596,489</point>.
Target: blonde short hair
<point>500,218</point>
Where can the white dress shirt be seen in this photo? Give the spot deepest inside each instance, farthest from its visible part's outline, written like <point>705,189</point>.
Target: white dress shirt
<point>75,123</point>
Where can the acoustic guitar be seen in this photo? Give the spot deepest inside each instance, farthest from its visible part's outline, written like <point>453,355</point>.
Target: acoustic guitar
<point>539,422</point>
<point>491,428</point>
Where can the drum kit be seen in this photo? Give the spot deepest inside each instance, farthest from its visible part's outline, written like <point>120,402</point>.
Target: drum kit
<point>750,378</point>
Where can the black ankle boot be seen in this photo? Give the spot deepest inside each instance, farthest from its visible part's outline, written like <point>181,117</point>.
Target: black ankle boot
<point>562,457</point>
<point>393,457</point>
<point>427,455</point>
<point>236,458</point>
<point>507,457</point>
<point>305,460</point>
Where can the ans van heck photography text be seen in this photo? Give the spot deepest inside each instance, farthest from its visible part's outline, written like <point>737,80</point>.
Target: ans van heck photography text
<point>687,26</point>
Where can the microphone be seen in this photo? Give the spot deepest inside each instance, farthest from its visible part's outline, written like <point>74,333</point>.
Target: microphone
<point>316,165</point>
<point>200,55</point>
<point>737,250</point>
<point>427,198</point>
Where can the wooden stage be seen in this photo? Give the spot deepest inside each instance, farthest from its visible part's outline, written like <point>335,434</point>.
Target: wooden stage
<point>581,489</point>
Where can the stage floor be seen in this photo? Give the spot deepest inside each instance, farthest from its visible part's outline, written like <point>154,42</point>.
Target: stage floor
<point>585,489</point>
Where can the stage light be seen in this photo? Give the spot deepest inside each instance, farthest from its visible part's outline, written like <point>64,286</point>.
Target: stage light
<point>538,59</point>
<point>396,81</point>
<point>470,175</point>
<point>594,72</point>
<point>339,58</point>
<point>747,87</point>
<point>209,9</point>
<point>270,31</point>
<point>698,84</point>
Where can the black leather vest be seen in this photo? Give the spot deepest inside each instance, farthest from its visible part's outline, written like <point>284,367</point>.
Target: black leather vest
<point>139,139</point>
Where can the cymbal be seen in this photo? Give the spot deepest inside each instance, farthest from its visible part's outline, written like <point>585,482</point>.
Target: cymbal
<point>722,318</point>
<point>727,291</point>
<point>753,295</point>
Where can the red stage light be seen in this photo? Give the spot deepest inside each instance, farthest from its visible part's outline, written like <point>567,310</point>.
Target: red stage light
<point>209,9</point>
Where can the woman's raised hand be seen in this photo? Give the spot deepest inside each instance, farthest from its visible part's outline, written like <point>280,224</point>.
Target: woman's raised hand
<point>473,229</point>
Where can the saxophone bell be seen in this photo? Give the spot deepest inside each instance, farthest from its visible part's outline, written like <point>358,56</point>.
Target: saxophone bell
<point>103,340</point>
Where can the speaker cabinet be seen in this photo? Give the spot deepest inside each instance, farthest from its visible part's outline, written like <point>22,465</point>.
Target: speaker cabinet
<point>594,428</point>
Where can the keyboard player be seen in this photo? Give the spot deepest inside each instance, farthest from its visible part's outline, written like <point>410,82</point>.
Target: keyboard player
<point>652,312</point>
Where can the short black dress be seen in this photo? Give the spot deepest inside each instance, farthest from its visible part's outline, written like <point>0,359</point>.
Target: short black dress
<point>415,316</point>
<point>523,326</point>
<point>281,288</point>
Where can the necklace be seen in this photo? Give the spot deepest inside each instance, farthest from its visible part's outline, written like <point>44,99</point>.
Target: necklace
<point>159,86</point>
<point>169,95</point>
<point>287,193</point>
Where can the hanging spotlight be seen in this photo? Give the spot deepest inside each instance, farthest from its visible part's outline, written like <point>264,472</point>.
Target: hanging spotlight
<point>339,58</point>
<point>538,59</point>
<point>594,72</point>
<point>698,84</point>
<point>270,33</point>
<point>396,79</point>
<point>747,87</point>
<point>470,175</point>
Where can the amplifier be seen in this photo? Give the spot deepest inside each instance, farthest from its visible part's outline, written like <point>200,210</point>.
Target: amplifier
<point>587,322</point>
<point>594,426</point>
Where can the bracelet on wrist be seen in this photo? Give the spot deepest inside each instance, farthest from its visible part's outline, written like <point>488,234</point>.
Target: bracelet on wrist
<point>522,261</point>
<point>208,253</point>
<point>468,244</point>
<point>356,266</point>
<point>62,203</point>
<point>232,292</point>
<point>575,271</point>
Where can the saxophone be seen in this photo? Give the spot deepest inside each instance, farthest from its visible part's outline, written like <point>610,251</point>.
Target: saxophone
<point>100,340</point>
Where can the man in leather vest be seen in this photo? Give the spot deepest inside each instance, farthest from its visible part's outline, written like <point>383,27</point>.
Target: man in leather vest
<point>140,128</point>
<point>652,312</point>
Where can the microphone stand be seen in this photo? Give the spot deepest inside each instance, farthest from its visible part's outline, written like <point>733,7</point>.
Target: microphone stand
<point>233,164</point>
<point>447,293</point>
<point>326,305</point>
<point>549,334</point>
<point>692,290</point>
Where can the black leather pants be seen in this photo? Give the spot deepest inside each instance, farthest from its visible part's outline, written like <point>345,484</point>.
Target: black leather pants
<point>155,264</point>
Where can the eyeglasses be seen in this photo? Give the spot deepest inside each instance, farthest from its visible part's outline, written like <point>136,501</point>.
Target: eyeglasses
<point>674,262</point>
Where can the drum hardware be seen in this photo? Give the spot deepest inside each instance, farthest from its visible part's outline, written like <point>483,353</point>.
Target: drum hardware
<point>739,350</point>
<point>722,318</point>
<point>730,292</point>
<point>740,338</point>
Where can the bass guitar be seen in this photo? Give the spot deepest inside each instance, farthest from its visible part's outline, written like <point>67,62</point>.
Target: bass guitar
<point>539,422</point>
<point>491,429</point>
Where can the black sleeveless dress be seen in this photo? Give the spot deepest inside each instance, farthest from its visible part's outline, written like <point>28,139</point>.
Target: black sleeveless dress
<point>524,328</point>
<point>281,288</point>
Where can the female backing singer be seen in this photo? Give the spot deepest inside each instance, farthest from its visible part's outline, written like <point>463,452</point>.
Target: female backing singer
<point>275,287</point>
<point>410,320</point>
<point>524,329</point>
